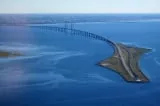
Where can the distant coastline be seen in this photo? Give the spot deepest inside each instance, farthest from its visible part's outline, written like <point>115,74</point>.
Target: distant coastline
<point>23,19</point>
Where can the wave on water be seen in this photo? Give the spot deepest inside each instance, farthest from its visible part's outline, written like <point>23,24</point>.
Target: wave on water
<point>19,58</point>
<point>19,47</point>
<point>157,60</point>
<point>56,59</point>
<point>100,78</point>
<point>21,80</point>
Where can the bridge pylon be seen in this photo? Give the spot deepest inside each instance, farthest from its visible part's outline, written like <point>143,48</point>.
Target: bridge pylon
<point>69,27</point>
<point>66,27</point>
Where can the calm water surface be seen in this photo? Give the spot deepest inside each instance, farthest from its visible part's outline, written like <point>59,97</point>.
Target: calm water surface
<point>61,70</point>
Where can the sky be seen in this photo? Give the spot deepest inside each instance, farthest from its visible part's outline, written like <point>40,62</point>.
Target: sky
<point>79,6</point>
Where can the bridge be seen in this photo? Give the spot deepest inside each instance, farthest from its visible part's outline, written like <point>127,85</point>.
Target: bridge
<point>124,60</point>
<point>74,32</point>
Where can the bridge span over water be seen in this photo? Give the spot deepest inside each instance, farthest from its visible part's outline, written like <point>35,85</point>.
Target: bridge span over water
<point>124,60</point>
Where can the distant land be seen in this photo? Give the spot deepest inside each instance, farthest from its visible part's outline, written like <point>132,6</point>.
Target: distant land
<point>16,19</point>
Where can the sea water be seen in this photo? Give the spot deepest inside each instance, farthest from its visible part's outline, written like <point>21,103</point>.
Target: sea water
<point>59,69</point>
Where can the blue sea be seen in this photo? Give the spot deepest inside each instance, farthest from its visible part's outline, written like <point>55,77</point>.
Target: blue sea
<point>60,70</point>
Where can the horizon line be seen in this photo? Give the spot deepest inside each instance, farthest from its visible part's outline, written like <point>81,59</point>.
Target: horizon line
<point>81,13</point>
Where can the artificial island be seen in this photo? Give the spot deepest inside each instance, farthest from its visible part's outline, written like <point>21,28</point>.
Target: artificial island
<point>125,62</point>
